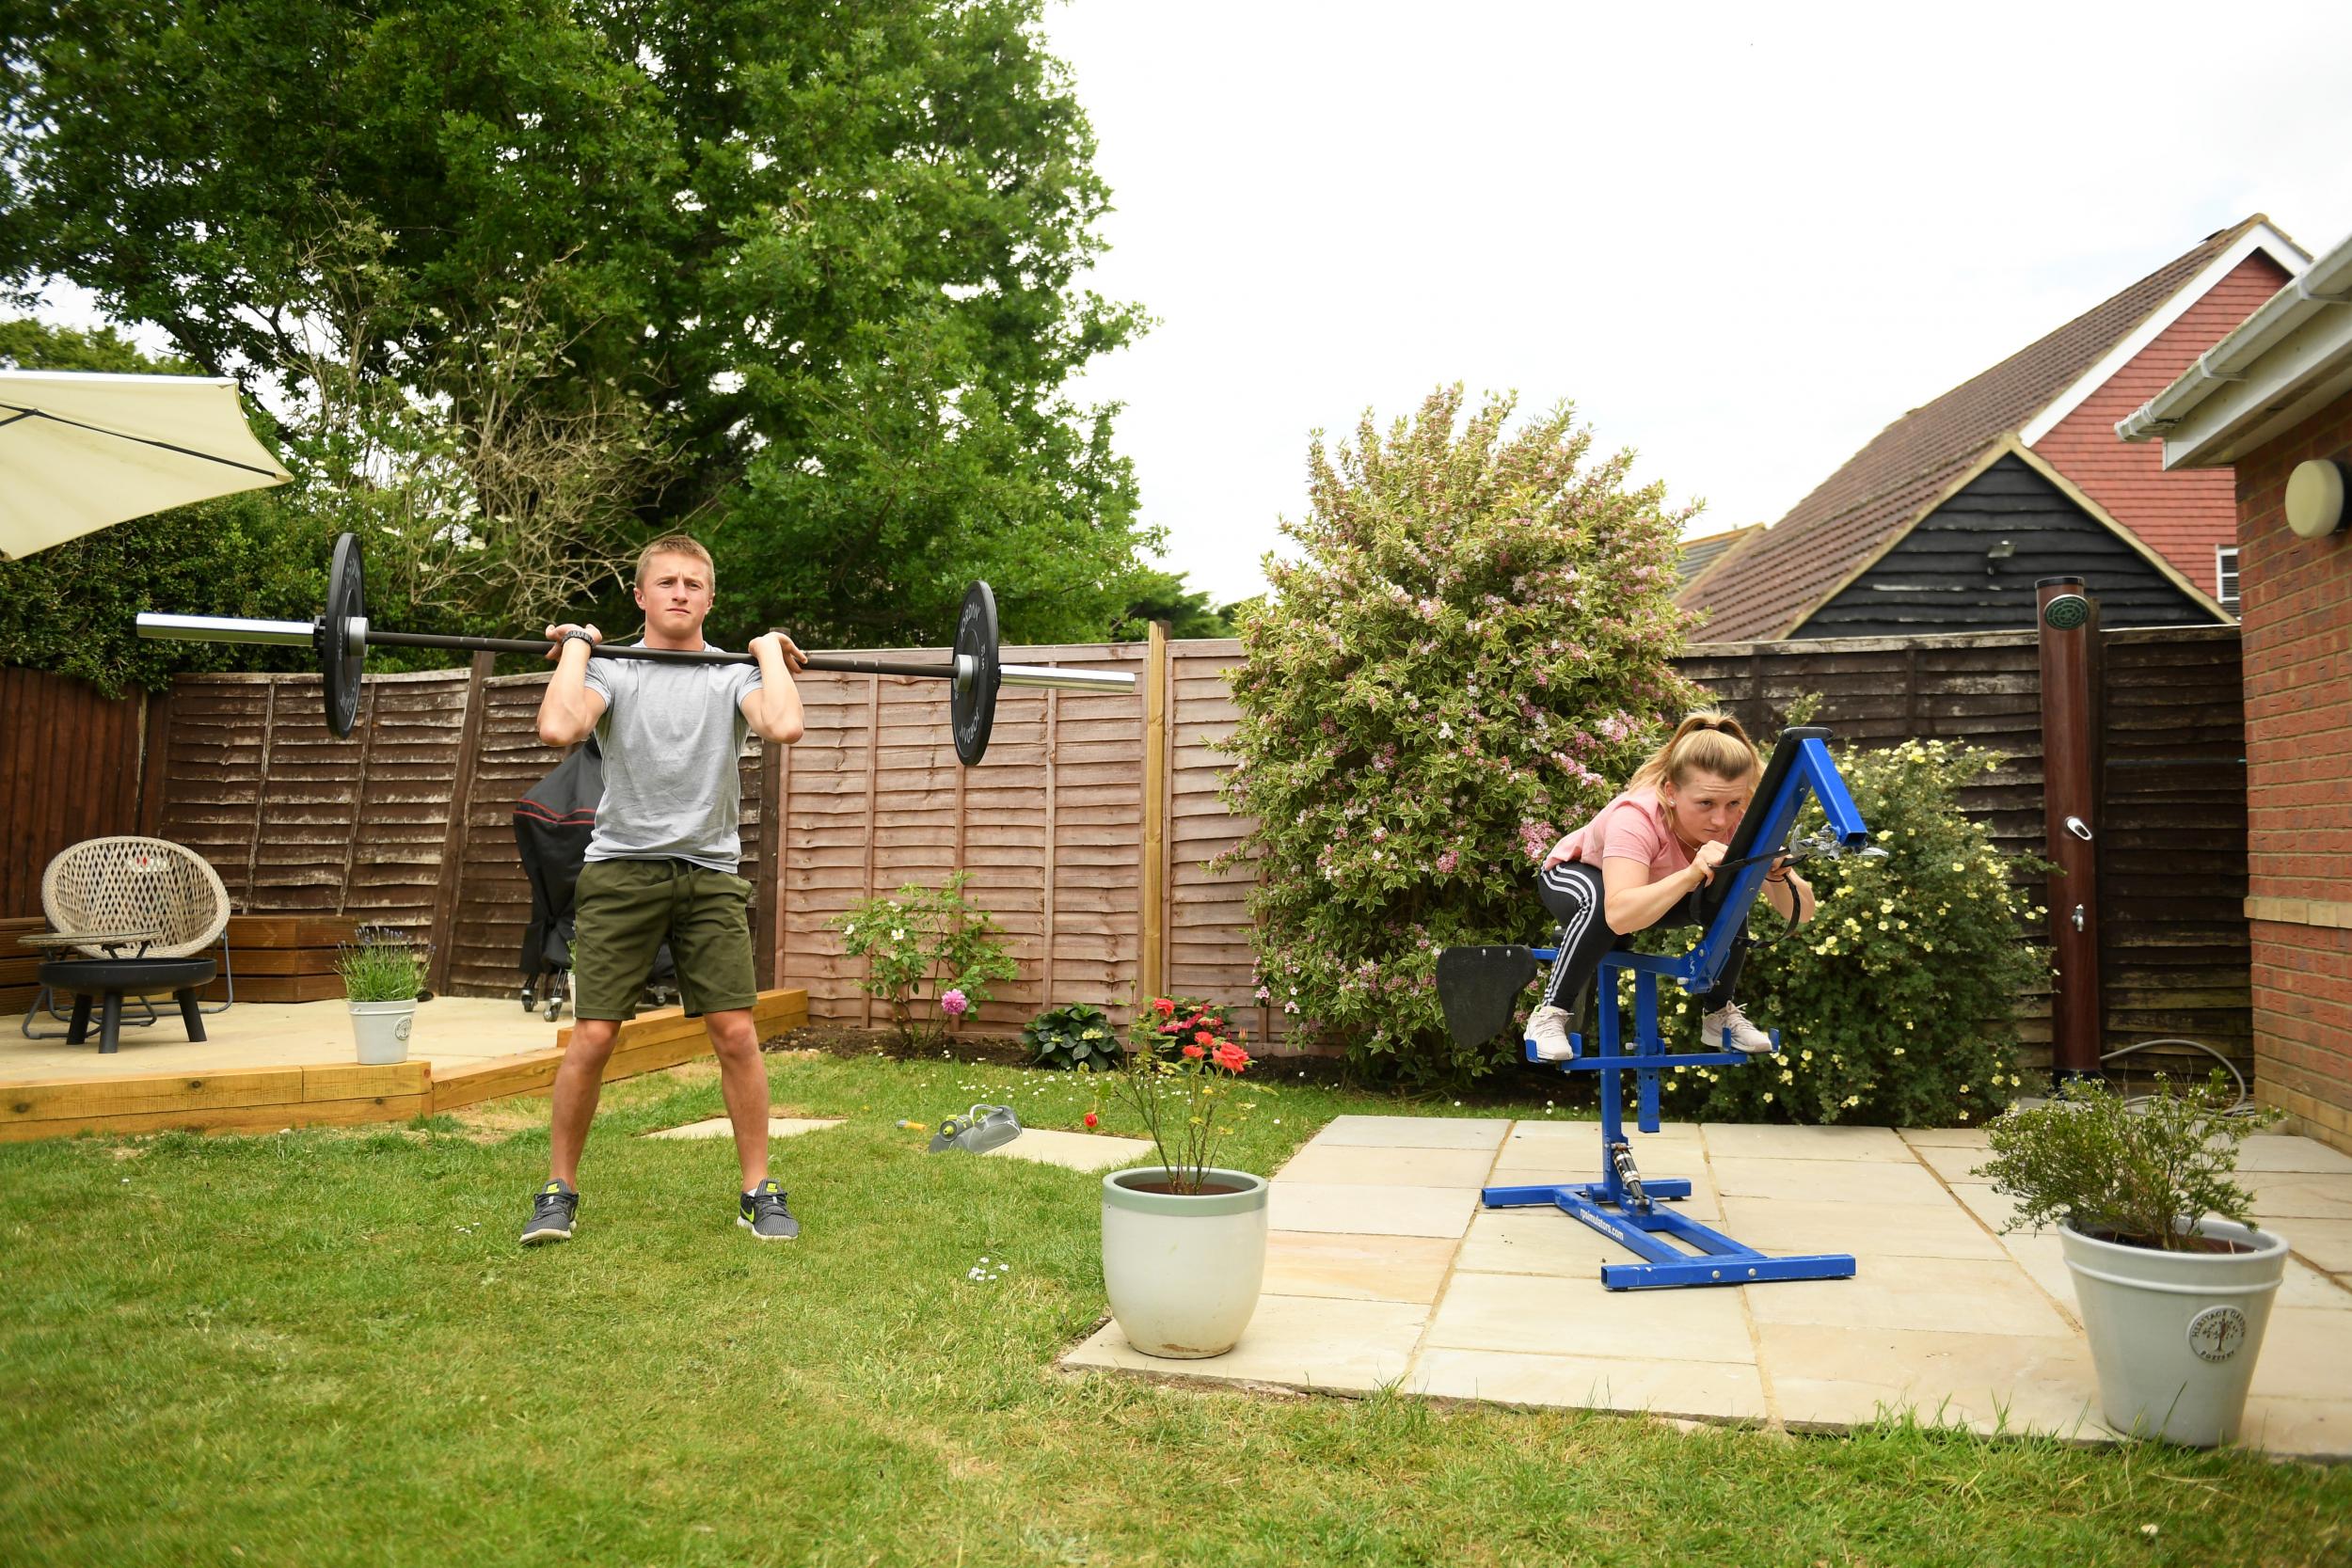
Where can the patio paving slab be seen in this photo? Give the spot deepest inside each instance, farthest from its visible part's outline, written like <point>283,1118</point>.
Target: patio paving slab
<point>1953,1295</point>
<point>1816,1180</point>
<point>1085,1151</point>
<point>1830,1377</point>
<point>1587,1133</point>
<point>1414,1133</point>
<point>1354,1164</point>
<point>2318,1428</point>
<point>2327,1242</point>
<point>1535,1241</point>
<point>2300,1194</point>
<point>718,1127</point>
<point>1370,1210</point>
<point>1694,1391</point>
<point>1304,1341</point>
<point>2307,1354</point>
<point>1738,1141</point>
<point>1553,1316</point>
<point>1703,1203</point>
<point>1955,1162</point>
<point>2277,1151</point>
<point>1357,1268</point>
<point>1780,1225</point>
<point>1946,1137</point>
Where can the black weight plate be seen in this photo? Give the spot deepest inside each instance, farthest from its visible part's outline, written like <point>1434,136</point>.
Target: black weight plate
<point>339,661</point>
<point>972,706</point>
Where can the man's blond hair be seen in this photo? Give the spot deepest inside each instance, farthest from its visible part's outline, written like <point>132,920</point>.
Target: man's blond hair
<point>677,544</point>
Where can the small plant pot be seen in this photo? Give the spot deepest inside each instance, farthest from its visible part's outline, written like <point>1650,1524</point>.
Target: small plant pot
<point>382,1029</point>
<point>2174,1335</point>
<point>1183,1269</point>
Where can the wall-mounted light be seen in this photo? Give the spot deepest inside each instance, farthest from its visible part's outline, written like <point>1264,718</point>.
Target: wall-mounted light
<point>2316,493</point>
<point>2001,551</point>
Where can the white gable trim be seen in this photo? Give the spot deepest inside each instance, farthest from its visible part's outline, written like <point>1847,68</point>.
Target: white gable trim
<point>2261,237</point>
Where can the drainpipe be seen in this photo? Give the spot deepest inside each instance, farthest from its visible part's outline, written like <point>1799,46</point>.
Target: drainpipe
<point>2069,622</point>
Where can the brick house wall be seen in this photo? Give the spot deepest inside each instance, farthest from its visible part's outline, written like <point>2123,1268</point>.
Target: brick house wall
<point>2297,602</point>
<point>2186,514</point>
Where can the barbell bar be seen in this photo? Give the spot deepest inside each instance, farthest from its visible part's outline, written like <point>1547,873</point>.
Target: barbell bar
<point>342,636</point>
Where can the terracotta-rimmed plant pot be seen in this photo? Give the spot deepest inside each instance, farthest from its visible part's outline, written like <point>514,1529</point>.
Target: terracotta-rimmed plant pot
<point>1183,1269</point>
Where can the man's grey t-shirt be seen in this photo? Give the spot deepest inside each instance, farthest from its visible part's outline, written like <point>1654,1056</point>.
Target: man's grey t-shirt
<point>670,734</point>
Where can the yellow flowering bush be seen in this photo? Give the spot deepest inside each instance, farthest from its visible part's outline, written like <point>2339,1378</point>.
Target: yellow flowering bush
<point>1896,1003</point>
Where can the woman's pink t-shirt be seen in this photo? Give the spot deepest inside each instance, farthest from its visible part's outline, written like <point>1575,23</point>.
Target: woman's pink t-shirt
<point>1631,827</point>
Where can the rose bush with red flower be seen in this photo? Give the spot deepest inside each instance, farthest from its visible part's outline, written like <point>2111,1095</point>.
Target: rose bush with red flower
<point>1182,1081</point>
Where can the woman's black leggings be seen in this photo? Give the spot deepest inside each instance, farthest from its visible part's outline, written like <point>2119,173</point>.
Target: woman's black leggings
<point>1572,892</point>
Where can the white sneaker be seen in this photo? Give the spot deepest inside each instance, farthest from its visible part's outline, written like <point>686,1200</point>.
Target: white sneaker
<point>1744,1035</point>
<point>1547,1032</point>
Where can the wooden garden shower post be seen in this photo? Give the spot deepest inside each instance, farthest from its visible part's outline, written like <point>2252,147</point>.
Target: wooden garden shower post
<point>2069,622</point>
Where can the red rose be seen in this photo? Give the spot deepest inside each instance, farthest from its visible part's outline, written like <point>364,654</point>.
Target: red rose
<point>1194,1052</point>
<point>1231,1057</point>
<point>1204,1038</point>
<point>1163,1005</point>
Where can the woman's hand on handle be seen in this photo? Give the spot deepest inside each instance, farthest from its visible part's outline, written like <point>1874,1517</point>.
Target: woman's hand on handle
<point>1709,856</point>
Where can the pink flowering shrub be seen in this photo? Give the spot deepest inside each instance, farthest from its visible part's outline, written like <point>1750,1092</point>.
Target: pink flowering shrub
<point>1469,657</point>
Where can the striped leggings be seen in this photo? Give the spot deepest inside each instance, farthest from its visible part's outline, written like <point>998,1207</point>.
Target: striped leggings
<point>1572,892</point>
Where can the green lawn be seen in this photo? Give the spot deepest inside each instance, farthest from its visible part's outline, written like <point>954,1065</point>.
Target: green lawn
<point>326,1347</point>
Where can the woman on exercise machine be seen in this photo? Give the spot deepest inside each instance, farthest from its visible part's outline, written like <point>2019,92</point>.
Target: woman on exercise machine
<point>1636,864</point>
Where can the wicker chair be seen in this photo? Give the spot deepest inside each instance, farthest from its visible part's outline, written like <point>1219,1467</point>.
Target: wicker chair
<point>146,894</point>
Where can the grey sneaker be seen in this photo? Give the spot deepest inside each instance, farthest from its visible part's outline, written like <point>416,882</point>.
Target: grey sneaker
<point>553,1214</point>
<point>1728,1024</point>
<point>762,1213</point>
<point>1547,1035</point>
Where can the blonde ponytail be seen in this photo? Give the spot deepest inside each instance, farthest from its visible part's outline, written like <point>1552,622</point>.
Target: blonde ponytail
<point>1705,743</point>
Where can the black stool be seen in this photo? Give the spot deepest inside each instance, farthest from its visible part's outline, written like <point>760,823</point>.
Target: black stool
<point>113,978</point>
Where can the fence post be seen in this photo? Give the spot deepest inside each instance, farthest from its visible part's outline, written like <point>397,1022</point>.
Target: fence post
<point>1151,943</point>
<point>449,893</point>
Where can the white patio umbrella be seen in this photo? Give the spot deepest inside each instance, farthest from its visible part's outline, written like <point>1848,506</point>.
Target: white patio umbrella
<point>80,451</point>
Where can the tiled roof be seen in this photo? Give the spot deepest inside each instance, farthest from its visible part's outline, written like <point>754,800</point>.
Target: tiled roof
<point>1789,570</point>
<point>1709,550</point>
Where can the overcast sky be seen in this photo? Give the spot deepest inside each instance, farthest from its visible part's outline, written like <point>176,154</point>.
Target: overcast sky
<point>1740,239</point>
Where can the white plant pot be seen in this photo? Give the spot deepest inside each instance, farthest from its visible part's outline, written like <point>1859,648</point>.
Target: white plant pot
<point>382,1028</point>
<point>2174,1335</point>
<point>1183,1269</point>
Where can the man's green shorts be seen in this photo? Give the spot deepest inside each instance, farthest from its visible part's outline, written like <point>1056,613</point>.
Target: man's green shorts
<point>626,909</point>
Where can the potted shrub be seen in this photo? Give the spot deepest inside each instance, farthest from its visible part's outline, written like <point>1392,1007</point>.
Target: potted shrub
<point>1183,1240</point>
<point>382,972</point>
<point>2173,1281</point>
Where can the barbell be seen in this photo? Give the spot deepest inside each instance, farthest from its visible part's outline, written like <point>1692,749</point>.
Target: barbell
<point>342,636</point>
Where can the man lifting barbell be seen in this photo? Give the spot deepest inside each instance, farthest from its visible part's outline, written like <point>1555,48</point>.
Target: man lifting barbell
<point>672,714</point>
<point>661,866</point>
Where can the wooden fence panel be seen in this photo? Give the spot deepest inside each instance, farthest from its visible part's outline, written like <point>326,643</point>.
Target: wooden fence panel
<point>70,769</point>
<point>298,821</point>
<point>874,798</point>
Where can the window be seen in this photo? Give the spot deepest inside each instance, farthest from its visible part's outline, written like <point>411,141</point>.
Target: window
<point>2225,576</point>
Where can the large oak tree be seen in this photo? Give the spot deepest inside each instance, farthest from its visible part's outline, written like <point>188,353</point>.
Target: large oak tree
<point>551,276</point>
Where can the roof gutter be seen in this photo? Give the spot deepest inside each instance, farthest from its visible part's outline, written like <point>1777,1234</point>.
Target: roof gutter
<point>2325,285</point>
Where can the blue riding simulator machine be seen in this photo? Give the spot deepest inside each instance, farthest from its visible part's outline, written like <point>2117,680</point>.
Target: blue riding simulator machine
<point>1479,989</point>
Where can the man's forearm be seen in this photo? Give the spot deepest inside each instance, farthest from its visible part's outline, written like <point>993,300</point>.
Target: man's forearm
<point>565,717</point>
<point>776,705</point>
